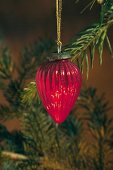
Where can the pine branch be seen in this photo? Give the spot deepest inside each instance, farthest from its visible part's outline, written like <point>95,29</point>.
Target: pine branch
<point>6,65</point>
<point>92,38</point>
<point>29,94</point>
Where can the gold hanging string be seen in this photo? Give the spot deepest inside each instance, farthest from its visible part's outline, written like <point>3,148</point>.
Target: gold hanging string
<point>58,17</point>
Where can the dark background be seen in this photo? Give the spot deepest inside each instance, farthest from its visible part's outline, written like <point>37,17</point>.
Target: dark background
<point>24,21</point>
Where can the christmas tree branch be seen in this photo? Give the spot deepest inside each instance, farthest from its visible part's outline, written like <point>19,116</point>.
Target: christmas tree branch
<point>29,93</point>
<point>92,38</point>
<point>88,37</point>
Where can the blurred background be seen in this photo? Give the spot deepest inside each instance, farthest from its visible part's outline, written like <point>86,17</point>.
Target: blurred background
<point>24,21</point>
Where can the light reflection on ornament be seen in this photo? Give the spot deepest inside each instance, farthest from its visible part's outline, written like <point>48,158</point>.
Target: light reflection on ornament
<point>58,84</point>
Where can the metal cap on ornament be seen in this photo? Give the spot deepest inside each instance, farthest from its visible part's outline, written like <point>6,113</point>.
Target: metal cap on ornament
<point>59,56</point>
<point>58,83</point>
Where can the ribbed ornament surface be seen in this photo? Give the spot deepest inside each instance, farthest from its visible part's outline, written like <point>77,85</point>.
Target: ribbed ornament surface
<point>58,84</point>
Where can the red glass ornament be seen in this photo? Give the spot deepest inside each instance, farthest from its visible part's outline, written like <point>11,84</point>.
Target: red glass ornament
<point>58,83</point>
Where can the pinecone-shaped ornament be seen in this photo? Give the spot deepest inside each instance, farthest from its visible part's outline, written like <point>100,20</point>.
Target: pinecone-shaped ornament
<point>58,83</point>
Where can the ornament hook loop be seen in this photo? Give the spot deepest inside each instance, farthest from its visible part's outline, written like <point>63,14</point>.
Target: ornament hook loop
<point>59,44</point>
